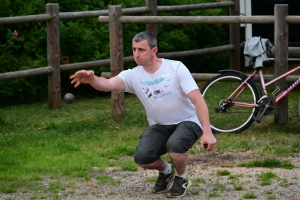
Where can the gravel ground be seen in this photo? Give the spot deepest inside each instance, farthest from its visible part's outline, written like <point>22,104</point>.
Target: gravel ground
<point>134,185</point>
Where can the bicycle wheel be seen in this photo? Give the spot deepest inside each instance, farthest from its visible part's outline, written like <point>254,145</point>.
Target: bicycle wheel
<point>224,116</point>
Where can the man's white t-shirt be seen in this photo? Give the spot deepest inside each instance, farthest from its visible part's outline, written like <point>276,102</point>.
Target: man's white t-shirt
<point>163,93</point>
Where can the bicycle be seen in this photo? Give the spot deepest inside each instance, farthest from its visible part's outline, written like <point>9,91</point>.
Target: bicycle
<point>235,101</point>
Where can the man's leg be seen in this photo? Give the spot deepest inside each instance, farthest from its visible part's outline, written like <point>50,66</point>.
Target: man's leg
<point>179,161</point>
<point>152,145</point>
<point>159,165</point>
<point>184,137</point>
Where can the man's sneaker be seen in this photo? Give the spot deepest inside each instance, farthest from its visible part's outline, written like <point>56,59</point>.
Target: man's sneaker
<point>179,188</point>
<point>164,181</point>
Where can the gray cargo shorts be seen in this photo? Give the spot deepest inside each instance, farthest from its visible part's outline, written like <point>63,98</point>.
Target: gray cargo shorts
<point>160,139</point>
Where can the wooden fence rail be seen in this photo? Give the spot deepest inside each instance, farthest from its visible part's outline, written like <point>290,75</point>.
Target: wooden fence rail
<point>25,19</point>
<point>26,73</point>
<point>125,11</point>
<point>115,17</point>
<point>192,19</point>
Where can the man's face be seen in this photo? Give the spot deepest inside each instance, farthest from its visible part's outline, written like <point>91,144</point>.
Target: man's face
<point>142,53</point>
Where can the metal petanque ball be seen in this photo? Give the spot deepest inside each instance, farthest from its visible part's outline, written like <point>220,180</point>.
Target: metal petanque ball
<point>69,98</point>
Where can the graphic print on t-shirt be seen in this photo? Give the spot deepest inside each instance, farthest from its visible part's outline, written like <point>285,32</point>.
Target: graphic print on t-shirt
<point>156,88</point>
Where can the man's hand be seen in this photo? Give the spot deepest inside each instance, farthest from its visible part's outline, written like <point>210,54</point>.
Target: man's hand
<point>82,76</point>
<point>208,141</point>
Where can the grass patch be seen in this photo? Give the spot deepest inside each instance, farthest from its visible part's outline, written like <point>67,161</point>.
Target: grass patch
<point>266,178</point>
<point>238,187</point>
<point>74,140</point>
<point>214,194</point>
<point>9,187</point>
<point>235,176</point>
<point>268,162</point>
<point>219,186</point>
<point>250,195</point>
<point>107,180</point>
<point>270,194</point>
<point>223,172</point>
<point>197,181</point>
<point>152,179</point>
<point>195,192</point>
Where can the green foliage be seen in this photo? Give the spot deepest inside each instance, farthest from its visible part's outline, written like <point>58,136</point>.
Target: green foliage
<point>86,39</point>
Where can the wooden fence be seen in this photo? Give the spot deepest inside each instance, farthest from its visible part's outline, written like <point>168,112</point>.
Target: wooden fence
<point>114,16</point>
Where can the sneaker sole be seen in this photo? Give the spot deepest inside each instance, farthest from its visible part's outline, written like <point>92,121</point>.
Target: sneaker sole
<point>188,186</point>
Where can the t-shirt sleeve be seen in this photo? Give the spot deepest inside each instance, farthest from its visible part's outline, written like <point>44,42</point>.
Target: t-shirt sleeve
<point>127,77</point>
<point>185,79</point>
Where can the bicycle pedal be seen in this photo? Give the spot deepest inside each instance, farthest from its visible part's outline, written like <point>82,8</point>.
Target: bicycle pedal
<point>266,107</point>
<point>257,119</point>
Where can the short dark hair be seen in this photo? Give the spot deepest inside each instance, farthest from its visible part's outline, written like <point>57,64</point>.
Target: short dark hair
<point>145,35</point>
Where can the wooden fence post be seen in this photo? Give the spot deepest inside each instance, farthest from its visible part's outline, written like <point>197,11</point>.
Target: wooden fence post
<point>281,59</point>
<point>235,60</point>
<point>152,4</point>
<point>116,58</point>
<point>53,56</point>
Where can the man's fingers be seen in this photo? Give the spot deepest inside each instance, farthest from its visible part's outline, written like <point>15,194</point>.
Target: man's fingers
<point>75,80</point>
<point>208,147</point>
<point>77,83</point>
<point>204,146</point>
<point>89,72</point>
<point>80,76</point>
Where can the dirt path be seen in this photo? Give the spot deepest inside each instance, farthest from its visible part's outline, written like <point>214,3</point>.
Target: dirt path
<point>207,184</point>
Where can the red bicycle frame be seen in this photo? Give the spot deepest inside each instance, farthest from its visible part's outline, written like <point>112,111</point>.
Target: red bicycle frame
<point>241,87</point>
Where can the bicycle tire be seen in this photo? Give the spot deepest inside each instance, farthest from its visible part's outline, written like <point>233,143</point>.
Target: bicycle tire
<point>233,119</point>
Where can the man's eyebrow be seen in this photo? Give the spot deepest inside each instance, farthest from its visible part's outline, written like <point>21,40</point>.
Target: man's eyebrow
<point>138,48</point>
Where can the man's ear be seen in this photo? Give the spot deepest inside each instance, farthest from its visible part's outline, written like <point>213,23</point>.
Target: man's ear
<point>154,50</point>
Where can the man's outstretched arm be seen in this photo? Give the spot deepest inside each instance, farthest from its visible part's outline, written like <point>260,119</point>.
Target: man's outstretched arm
<point>99,83</point>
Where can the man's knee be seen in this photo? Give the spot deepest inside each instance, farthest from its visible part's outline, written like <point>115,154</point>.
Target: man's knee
<point>143,158</point>
<point>176,146</point>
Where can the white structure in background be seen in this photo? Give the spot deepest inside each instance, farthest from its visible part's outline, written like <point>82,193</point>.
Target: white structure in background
<point>245,10</point>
